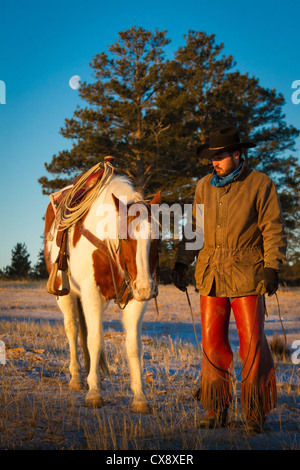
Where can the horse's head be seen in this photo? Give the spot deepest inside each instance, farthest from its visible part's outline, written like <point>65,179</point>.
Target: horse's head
<point>138,249</point>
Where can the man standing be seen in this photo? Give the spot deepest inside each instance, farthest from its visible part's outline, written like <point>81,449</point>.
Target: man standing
<point>244,244</point>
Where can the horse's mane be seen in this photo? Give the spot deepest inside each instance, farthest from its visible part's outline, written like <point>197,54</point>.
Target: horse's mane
<point>68,214</point>
<point>121,186</point>
<point>111,183</point>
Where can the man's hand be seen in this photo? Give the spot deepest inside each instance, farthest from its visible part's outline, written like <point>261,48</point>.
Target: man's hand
<point>270,280</point>
<point>178,276</point>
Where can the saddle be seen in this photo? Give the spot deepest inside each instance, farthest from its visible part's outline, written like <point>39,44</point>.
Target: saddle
<point>61,263</point>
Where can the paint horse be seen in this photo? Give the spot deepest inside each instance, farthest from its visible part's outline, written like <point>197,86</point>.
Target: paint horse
<point>98,268</point>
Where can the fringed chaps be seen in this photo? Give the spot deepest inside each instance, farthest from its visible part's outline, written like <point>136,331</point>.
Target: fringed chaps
<point>215,396</point>
<point>258,401</point>
<point>215,391</point>
<point>258,383</point>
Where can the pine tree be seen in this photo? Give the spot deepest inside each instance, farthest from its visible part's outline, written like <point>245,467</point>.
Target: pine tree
<point>40,269</point>
<point>20,263</point>
<point>152,114</point>
<point>207,92</point>
<point>116,121</point>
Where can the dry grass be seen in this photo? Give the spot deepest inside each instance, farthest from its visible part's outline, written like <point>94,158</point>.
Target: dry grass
<point>37,411</point>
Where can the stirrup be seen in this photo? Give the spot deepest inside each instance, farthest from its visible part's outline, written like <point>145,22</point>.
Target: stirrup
<point>51,282</point>
<point>61,264</point>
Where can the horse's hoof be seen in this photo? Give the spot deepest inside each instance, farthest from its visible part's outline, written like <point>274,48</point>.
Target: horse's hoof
<point>76,386</point>
<point>94,401</point>
<point>141,407</point>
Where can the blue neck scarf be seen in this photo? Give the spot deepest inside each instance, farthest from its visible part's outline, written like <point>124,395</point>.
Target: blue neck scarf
<point>218,181</point>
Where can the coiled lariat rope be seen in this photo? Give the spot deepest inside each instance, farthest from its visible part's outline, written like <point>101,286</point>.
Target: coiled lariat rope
<point>66,215</point>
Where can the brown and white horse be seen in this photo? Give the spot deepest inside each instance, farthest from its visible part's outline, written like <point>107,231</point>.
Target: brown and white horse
<point>96,273</point>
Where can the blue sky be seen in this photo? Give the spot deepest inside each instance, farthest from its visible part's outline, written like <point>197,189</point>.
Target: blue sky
<point>43,44</point>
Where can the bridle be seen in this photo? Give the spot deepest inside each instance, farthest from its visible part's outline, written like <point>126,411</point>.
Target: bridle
<point>126,281</point>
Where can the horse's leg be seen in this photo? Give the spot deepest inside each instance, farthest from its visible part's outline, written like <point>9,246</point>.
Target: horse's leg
<point>93,306</point>
<point>132,320</point>
<point>83,337</point>
<point>68,306</point>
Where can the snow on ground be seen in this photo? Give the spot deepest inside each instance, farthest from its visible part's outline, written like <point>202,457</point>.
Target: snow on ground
<point>31,373</point>
<point>173,318</point>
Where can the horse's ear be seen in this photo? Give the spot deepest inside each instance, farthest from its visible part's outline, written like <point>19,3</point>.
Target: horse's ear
<point>119,204</point>
<point>156,199</point>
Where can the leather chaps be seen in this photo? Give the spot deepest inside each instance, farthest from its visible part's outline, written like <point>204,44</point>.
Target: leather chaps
<point>258,384</point>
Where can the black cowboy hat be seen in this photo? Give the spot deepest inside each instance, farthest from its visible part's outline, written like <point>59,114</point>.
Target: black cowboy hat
<point>224,139</point>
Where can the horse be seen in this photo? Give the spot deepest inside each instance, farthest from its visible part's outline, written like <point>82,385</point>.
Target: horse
<point>102,268</point>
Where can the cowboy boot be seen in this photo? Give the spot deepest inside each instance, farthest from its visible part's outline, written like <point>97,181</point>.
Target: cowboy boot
<point>258,383</point>
<point>215,390</point>
<point>214,419</point>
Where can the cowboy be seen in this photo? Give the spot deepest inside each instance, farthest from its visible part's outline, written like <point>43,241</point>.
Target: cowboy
<point>244,247</point>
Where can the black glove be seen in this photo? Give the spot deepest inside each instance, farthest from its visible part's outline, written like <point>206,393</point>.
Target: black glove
<point>270,280</point>
<point>178,276</point>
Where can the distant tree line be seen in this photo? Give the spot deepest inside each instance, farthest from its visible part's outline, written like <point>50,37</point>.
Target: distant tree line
<point>20,267</point>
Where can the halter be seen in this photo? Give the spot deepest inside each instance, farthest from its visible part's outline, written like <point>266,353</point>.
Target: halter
<point>125,282</point>
<point>126,285</point>
<point>127,277</point>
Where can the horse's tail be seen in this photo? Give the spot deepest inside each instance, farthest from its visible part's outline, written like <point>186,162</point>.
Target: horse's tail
<point>83,339</point>
<point>103,363</point>
<point>83,336</point>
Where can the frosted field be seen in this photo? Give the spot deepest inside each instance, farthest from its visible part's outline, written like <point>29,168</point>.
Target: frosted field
<point>37,411</point>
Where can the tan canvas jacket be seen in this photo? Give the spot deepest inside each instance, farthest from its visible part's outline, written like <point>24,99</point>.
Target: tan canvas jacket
<point>243,232</point>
